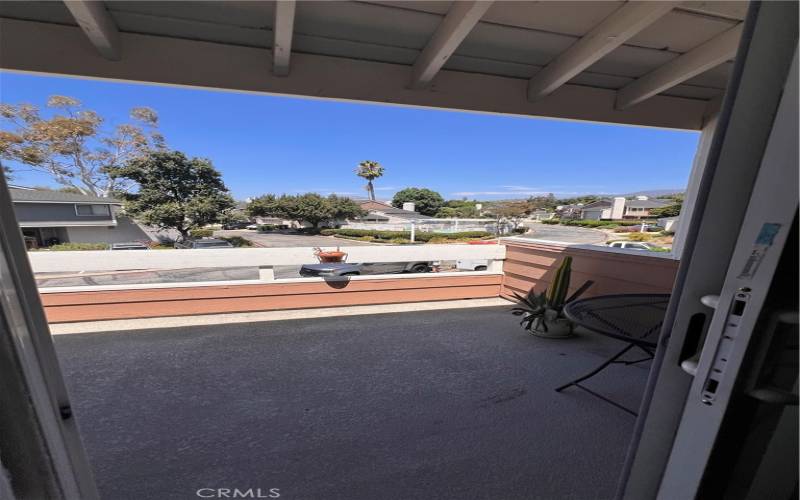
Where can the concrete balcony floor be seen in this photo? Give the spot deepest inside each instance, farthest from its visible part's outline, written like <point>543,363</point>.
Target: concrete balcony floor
<point>415,405</point>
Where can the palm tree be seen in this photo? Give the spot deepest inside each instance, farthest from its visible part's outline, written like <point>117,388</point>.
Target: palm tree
<point>369,170</point>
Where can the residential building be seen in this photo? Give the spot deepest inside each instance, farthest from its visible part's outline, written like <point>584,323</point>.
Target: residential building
<point>621,208</point>
<point>572,211</point>
<point>51,217</point>
<point>383,212</point>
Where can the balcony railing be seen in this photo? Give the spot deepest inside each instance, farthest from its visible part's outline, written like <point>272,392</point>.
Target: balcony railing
<point>87,303</point>
<point>516,265</point>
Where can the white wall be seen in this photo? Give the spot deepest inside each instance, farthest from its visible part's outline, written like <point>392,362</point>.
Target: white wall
<point>125,230</point>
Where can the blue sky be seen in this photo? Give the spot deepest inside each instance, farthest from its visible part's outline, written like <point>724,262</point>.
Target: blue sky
<point>276,144</point>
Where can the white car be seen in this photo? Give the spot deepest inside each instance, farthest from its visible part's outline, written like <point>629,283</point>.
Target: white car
<point>632,245</point>
<point>472,265</point>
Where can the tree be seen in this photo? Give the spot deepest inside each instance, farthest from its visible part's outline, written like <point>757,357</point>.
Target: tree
<point>668,211</point>
<point>425,201</point>
<point>232,215</point>
<point>265,206</point>
<point>511,211</point>
<point>310,207</point>
<point>459,209</point>
<point>543,202</point>
<point>369,170</point>
<point>73,146</point>
<point>174,192</point>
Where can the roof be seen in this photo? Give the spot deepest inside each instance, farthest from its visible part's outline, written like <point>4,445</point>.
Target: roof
<point>42,196</point>
<point>502,57</point>
<point>386,208</point>
<point>404,214</point>
<point>646,203</point>
<point>604,203</point>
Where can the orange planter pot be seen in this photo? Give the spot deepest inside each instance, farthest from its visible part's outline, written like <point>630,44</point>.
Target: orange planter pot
<point>331,256</point>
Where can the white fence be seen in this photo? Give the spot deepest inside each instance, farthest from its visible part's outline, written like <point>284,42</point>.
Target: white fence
<point>433,225</point>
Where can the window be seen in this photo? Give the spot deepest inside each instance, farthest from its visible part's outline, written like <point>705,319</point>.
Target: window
<point>92,210</point>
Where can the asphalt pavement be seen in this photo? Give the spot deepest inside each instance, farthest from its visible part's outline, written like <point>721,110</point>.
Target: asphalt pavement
<point>566,234</point>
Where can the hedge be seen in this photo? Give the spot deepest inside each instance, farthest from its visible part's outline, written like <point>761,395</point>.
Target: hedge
<point>608,224</point>
<point>201,233</point>
<point>423,236</point>
<point>68,247</point>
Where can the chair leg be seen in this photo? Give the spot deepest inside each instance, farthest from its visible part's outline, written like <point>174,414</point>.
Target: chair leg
<point>597,370</point>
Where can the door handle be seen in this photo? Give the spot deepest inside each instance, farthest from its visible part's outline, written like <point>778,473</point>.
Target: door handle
<point>692,348</point>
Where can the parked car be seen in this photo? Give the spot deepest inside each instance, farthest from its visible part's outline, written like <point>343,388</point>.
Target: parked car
<point>631,245</point>
<point>346,269</point>
<point>252,226</point>
<point>203,243</point>
<point>472,265</point>
<point>236,225</point>
<point>131,245</point>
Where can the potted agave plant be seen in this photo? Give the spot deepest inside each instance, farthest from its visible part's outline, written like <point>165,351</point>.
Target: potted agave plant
<point>543,313</point>
<point>330,255</point>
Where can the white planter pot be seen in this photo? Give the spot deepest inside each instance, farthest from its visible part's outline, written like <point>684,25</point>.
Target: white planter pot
<point>557,328</point>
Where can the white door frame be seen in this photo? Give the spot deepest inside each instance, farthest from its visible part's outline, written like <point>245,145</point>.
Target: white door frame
<point>743,127</point>
<point>42,453</point>
<point>770,214</point>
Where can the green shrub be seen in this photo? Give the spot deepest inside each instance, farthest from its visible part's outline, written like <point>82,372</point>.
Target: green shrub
<point>238,241</point>
<point>423,236</point>
<point>201,233</point>
<point>266,227</point>
<point>68,247</point>
<point>639,236</point>
<point>551,221</point>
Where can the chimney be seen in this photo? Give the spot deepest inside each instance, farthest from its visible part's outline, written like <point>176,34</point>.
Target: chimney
<point>408,206</point>
<point>618,207</point>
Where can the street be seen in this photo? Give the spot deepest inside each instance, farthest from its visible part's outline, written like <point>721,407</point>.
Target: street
<point>566,234</point>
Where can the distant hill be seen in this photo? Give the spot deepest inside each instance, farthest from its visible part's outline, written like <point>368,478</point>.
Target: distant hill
<point>652,193</point>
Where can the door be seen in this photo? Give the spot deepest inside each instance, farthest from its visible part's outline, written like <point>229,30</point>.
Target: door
<point>41,451</point>
<point>714,411</point>
<point>756,311</point>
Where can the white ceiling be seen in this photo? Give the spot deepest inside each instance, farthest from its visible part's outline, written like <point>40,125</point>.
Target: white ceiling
<point>513,39</point>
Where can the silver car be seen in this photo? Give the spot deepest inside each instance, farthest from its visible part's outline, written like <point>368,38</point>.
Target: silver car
<point>346,269</point>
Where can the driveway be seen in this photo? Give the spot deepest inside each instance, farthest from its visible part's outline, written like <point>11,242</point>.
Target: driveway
<point>448,404</point>
<point>567,234</point>
<point>281,240</point>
